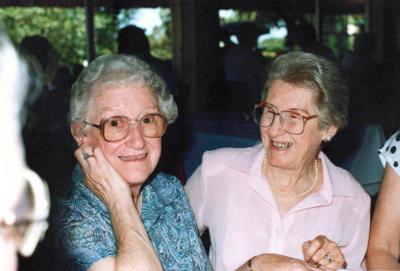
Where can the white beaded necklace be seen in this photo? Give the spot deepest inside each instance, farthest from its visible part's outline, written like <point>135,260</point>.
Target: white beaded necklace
<point>285,196</point>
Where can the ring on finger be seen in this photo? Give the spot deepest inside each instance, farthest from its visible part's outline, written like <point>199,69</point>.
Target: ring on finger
<point>86,155</point>
<point>327,258</point>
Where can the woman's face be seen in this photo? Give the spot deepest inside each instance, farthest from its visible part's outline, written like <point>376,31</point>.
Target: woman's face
<point>285,150</point>
<point>134,157</point>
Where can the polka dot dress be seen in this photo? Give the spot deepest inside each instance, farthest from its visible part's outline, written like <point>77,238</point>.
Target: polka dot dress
<point>390,152</point>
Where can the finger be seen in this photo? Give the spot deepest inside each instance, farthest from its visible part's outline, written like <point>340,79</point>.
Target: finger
<point>337,262</point>
<point>326,260</point>
<point>87,152</point>
<point>80,154</point>
<point>326,246</point>
<point>333,258</point>
<point>305,248</point>
<point>310,248</point>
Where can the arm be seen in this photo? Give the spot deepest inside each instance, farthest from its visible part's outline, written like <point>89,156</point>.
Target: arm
<point>384,243</point>
<point>314,252</point>
<point>135,251</point>
<point>276,262</point>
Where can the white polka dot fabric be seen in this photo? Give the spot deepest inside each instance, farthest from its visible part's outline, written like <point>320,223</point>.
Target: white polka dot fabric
<point>390,152</point>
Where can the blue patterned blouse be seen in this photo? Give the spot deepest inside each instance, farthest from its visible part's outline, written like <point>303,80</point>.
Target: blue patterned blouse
<point>85,234</point>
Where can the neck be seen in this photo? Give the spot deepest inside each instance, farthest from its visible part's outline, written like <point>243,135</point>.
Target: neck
<point>291,184</point>
<point>136,196</point>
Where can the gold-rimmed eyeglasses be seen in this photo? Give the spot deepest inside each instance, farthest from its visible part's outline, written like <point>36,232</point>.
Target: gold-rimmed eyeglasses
<point>117,128</point>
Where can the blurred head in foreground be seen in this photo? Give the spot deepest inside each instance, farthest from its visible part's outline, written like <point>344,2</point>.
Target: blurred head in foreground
<point>24,200</point>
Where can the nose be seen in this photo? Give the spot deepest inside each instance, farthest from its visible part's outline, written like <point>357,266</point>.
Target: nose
<point>135,137</point>
<point>276,127</point>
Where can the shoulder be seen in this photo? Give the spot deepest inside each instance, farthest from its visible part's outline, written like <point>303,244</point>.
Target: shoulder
<point>227,155</point>
<point>163,183</point>
<point>83,230</point>
<point>164,188</point>
<point>79,205</point>
<point>82,221</point>
<point>236,159</point>
<point>343,182</point>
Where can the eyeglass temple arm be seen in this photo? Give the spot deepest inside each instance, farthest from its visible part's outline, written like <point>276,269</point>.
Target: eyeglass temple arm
<point>92,124</point>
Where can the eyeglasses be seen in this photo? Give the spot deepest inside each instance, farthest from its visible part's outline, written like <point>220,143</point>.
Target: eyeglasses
<point>291,121</point>
<point>26,232</point>
<point>117,128</point>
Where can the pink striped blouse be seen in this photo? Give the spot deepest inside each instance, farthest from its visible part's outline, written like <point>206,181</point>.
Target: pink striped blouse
<point>233,200</point>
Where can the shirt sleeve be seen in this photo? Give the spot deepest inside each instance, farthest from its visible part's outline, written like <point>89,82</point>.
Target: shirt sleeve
<point>82,240</point>
<point>390,152</point>
<point>196,190</point>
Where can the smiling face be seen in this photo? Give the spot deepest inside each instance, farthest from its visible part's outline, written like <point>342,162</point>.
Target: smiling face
<point>135,157</point>
<point>286,150</point>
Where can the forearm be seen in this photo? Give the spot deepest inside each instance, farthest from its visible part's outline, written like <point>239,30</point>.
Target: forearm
<point>267,261</point>
<point>135,250</point>
<point>381,259</point>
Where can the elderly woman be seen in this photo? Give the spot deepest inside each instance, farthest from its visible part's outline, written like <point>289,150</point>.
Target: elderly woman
<point>282,204</point>
<point>384,243</point>
<point>122,214</point>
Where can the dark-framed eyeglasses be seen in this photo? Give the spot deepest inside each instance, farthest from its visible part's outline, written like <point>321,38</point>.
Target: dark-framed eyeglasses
<point>117,128</point>
<point>291,121</point>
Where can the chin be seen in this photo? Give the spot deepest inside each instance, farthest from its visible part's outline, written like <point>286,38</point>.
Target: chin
<point>278,161</point>
<point>135,177</point>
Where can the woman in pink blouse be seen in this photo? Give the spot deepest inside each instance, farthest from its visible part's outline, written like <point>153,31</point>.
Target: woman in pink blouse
<point>283,205</point>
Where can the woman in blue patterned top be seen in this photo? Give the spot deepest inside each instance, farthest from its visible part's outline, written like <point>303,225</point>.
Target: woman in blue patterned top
<point>121,215</point>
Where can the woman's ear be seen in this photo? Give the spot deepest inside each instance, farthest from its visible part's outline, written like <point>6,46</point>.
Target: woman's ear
<point>76,131</point>
<point>329,133</point>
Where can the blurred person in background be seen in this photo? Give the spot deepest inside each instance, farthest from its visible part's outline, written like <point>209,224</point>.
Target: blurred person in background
<point>24,201</point>
<point>132,40</point>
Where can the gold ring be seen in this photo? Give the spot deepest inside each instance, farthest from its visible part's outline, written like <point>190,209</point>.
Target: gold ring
<point>328,258</point>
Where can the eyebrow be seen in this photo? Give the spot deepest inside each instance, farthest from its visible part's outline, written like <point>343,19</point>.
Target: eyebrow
<point>290,109</point>
<point>298,109</point>
<point>113,109</point>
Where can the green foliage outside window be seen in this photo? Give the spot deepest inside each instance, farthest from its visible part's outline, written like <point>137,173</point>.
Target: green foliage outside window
<point>65,28</point>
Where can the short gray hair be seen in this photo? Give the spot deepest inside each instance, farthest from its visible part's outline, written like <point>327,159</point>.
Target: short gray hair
<point>120,70</point>
<point>319,74</point>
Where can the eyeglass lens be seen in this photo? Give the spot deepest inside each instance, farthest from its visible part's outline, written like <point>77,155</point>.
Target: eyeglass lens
<point>291,121</point>
<point>117,128</point>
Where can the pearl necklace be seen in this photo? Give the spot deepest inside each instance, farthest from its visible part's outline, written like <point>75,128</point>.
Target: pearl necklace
<point>286,196</point>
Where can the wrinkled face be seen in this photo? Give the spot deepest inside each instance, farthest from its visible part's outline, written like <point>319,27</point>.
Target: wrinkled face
<point>134,157</point>
<point>286,150</point>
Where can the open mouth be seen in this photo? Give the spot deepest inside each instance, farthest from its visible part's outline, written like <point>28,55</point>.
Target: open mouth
<point>281,145</point>
<point>133,157</point>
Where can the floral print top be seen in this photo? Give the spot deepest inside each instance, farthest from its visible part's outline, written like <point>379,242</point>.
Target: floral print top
<point>84,233</point>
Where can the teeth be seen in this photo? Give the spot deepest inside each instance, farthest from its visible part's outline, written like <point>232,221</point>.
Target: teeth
<point>131,158</point>
<point>281,145</point>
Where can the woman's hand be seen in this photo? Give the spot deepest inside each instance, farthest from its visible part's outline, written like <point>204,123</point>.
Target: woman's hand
<point>135,250</point>
<point>324,253</point>
<point>100,176</point>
